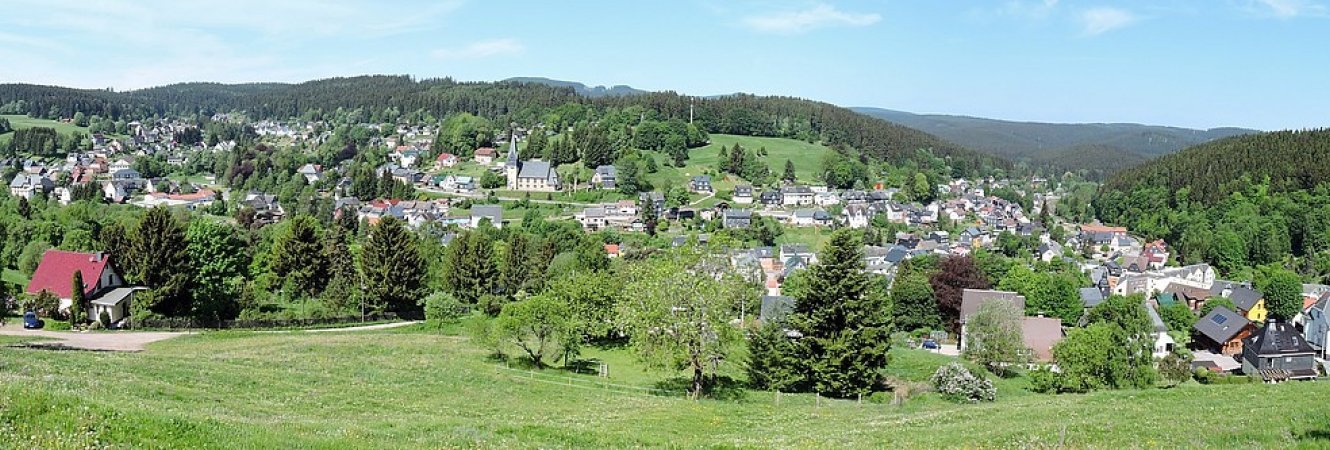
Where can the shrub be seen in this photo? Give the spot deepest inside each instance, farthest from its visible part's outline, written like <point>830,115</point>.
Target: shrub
<point>492,304</point>
<point>104,319</point>
<point>1043,380</point>
<point>441,309</point>
<point>957,384</point>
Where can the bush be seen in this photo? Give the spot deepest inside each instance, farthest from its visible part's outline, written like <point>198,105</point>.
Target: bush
<point>104,319</point>
<point>957,384</point>
<point>441,309</point>
<point>492,304</point>
<point>1043,380</point>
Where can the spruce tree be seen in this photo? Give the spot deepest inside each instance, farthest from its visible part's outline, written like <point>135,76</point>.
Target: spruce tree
<point>844,320</point>
<point>393,267</point>
<point>297,256</point>
<point>789,171</point>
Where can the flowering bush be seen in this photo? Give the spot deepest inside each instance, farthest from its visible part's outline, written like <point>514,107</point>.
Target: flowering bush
<point>957,384</point>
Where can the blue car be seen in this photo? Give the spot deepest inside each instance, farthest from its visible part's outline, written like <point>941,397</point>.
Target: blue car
<point>930,344</point>
<point>31,322</point>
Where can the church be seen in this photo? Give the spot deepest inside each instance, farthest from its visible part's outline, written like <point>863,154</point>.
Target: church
<point>532,175</point>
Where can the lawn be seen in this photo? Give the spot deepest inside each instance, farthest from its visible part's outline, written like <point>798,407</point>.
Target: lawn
<point>20,122</point>
<point>414,389</point>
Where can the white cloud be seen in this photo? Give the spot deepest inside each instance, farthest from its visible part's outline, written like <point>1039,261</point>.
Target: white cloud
<point>1104,19</point>
<point>1287,9</point>
<point>482,49</point>
<point>801,21</point>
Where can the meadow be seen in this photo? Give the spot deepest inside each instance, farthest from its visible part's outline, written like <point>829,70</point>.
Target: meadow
<point>19,122</point>
<point>412,388</point>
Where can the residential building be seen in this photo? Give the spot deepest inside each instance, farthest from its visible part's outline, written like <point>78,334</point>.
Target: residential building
<point>743,194</point>
<point>481,212</point>
<point>1278,353</point>
<point>700,183</point>
<point>1222,331</point>
<point>605,177</point>
<point>972,299</point>
<point>105,291</point>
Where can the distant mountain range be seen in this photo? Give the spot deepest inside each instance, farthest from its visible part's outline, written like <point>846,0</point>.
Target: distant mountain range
<point>1092,146</point>
<point>589,91</point>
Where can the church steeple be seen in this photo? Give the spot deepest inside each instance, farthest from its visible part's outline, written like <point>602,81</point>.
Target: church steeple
<point>512,148</point>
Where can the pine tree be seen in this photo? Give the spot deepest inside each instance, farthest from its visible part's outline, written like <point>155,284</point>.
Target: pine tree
<point>844,320</point>
<point>773,360</point>
<point>393,267</point>
<point>343,290</point>
<point>471,272</point>
<point>516,265</point>
<point>789,171</point>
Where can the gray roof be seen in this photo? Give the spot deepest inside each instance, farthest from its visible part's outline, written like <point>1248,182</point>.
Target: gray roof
<point>607,171</point>
<point>535,169</point>
<point>971,299</point>
<point>493,212</point>
<point>1156,321</point>
<point>1091,296</point>
<point>738,214</point>
<point>1245,298</point>
<point>1278,338</point>
<point>1221,325</point>
<point>115,296</point>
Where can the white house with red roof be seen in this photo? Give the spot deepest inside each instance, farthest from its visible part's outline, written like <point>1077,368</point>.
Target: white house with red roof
<point>445,160</point>
<point>104,288</point>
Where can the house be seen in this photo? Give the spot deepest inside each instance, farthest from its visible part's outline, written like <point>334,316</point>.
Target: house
<point>1222,331</point>
<point>652,199</point>
<point>972,299</point>
<point>1316,325</point>
<point>104,289</point>
<point>445,160</point>
<point>266,208</point>
<point>743,194</point>
<point>1091,297</point>
<point>612,250</point>
<point>700,183</point>
<point>1040,335</point>
<point>738,218</point>
<point>492,212</point>
<point>25,185</point>
<point>796,196</point>
<point>485,155</point>
<point>312,172</point>
<point>1163,343</point>
<point>605,177</point>
<point>770,198</point>
<point>1249,302</point>
<point>1278,353</point>
<point>1048,251</point>
<point>532,175</point>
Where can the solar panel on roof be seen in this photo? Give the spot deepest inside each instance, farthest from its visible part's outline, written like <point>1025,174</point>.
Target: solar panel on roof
<point>1219,319</point>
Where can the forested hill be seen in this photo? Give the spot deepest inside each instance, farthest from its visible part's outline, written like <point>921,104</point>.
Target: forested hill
<point>1035,142</point>
<point>582,89</point>
<point>1292,160</point>
<point>503,102</point>
<point>1237,203</point>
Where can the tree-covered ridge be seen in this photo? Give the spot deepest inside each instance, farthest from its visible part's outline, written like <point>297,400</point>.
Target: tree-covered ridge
<point>388,98</point>
<point>1238,204</point>
<point>1292,160</point>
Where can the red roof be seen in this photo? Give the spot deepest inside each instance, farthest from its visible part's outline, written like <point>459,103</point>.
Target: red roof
<point>612,249</point>
<point>56,272</point>
<point>445,157</point>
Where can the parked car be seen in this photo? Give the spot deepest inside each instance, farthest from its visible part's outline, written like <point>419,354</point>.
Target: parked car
<point>930,344</point>
<point>31,322</point>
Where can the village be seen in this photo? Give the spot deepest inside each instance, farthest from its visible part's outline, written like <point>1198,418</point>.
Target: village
<point>963,221</point>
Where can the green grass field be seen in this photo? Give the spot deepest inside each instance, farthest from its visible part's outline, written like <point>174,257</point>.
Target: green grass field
<point>807,160</point>
<point>411,389</point>
<point>20,122</point>
<point>12,276</point>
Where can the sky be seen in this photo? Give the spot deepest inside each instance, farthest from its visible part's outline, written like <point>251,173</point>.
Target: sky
<point>1259,64</point>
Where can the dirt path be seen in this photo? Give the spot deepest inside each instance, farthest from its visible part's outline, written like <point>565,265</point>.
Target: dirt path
<point>380,326</point>
<point>124,341</point>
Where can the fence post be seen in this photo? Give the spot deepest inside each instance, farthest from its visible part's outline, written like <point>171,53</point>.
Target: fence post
<point>778,397</point>
<point>861,399</point>
<point>818,395</point>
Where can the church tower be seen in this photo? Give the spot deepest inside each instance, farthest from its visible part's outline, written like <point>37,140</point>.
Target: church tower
<point>513,165</point>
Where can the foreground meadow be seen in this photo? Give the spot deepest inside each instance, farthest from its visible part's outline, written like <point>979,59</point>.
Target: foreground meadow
<point>412,389</point>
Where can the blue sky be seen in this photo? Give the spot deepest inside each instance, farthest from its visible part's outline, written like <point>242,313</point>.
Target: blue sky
<point>1195,63</point>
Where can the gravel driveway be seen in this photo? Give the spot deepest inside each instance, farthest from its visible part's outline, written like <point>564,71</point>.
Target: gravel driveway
<point>120,341</point>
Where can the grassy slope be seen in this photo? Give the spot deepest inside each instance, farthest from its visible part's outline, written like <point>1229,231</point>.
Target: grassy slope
<point>12,276</point>
<point>20,122</point>
<point>807,159</point>
<point>404,389</point>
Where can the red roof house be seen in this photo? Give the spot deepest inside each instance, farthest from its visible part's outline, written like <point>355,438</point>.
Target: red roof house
<point>56,273</point>
<point>103,287</point>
